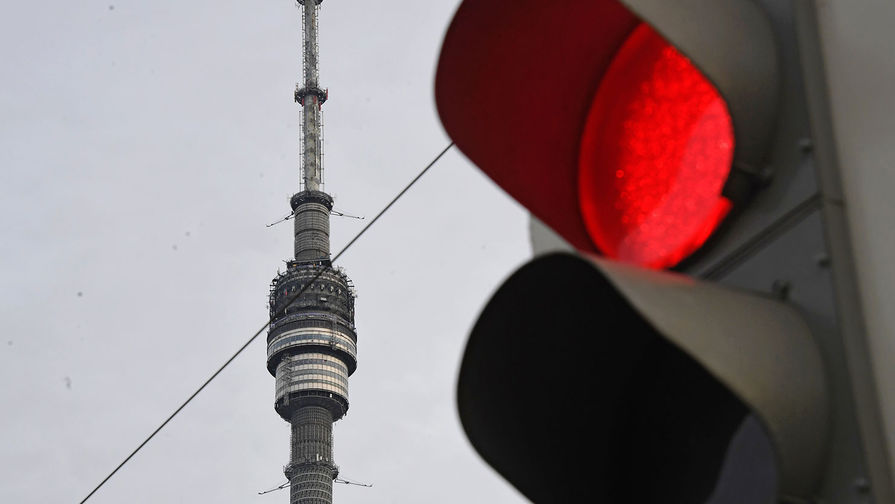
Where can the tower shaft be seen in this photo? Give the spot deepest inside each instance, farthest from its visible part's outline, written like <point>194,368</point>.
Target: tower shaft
<point>311,470</point>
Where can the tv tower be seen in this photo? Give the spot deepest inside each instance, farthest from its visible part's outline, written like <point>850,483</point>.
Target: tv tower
<point>312,342</point>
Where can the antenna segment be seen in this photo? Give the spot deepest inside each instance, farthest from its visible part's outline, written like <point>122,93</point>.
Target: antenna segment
<point>311,97</point>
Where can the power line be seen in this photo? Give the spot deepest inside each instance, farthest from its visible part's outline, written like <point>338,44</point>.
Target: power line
<point>267,324</point>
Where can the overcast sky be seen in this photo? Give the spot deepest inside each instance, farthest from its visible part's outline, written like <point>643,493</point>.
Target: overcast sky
<point>144,145</point>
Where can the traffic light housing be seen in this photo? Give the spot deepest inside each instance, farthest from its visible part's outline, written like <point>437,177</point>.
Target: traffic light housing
<point>745,339</point>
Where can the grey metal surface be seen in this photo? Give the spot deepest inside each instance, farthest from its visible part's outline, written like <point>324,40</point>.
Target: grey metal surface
<point>792,237</point>
<point>798,261</point>
<point>846,54</point>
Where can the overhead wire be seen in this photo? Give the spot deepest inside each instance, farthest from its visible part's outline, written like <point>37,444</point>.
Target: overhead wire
<point>346,481</point>
<point>274,489</point>
<point>267,324</point>
<point>341,480</point>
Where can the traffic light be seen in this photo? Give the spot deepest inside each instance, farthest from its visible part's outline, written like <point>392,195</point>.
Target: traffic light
<point>702,343</point>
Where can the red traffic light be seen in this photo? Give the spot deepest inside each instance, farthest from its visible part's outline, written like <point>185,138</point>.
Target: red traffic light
<point>656,150</point>
<point>624,141</point>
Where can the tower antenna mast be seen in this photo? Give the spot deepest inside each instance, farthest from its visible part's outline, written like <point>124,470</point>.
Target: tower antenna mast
<point>311,97</point>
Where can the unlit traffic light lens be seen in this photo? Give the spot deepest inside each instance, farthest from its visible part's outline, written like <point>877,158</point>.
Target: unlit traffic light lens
<point>656,150</point>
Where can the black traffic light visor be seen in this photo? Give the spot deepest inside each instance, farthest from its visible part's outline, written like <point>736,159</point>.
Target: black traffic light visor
<point>591,380</point>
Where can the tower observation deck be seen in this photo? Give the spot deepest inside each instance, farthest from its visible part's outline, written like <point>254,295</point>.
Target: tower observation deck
<point>312,342</point>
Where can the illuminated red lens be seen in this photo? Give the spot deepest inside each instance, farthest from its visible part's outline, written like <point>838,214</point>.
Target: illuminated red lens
<point>656,151</point>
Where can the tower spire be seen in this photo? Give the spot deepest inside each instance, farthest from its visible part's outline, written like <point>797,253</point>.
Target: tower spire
<point>311,97</point>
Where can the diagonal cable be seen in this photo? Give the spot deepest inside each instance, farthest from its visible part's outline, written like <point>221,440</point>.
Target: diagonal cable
<point>267,324</point>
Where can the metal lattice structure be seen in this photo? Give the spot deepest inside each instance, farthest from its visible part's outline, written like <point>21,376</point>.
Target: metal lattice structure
<point>312,341</point>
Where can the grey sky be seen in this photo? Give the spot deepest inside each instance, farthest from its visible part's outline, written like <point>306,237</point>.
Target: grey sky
<point>143,147</point>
